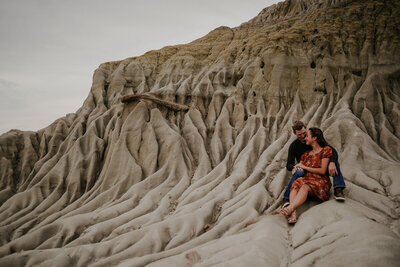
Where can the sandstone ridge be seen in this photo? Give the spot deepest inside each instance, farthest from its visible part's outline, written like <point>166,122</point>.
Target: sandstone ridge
<point>189,168</point>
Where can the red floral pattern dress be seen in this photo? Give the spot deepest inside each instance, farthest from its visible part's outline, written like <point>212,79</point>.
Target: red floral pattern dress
<point>319,184</point>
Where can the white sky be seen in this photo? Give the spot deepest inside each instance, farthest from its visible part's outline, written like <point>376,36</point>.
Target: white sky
<point>49,49</point>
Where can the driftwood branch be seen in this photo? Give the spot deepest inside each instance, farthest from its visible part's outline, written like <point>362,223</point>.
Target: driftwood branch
<point>168,104</point>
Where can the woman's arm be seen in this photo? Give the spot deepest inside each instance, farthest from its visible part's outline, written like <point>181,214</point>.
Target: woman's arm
<point>321,170</point>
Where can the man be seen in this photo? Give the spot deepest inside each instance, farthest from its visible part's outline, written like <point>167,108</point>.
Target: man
<point>296,149</point>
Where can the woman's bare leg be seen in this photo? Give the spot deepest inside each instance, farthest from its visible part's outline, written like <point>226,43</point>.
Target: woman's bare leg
<point>292,217</point>
<point>297,198</point>
<point>293,195</point>
<point>300,197</point>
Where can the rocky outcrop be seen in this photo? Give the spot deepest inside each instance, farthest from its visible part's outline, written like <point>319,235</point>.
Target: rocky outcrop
<point>190,171</point>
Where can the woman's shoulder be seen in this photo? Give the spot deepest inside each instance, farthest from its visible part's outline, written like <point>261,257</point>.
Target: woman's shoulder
<point>326,151</point>
<point>327,148</point>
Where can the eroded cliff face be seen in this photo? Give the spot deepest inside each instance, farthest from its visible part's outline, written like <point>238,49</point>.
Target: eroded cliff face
<point>142,183</point>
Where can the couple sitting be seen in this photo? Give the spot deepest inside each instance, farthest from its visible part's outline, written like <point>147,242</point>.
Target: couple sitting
<point>317,160</point>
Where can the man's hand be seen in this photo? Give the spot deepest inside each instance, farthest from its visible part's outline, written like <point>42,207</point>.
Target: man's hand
<point>332,169</point>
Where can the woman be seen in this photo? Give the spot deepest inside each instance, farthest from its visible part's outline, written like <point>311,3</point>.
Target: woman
<point>315,181</point>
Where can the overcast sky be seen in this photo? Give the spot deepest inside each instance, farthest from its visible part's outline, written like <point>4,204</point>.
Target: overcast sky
<point>49,49</point>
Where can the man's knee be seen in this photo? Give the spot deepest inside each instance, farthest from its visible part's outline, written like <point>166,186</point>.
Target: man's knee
<point>299,173</point>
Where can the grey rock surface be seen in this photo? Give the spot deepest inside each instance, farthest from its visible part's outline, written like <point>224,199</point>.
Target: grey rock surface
<point>144,183</point>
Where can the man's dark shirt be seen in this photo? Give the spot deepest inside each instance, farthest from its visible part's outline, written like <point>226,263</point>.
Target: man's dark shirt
<point>298,148</point>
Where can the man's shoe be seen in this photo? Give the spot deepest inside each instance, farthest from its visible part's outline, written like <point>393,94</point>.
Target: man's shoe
<point>339,196</point>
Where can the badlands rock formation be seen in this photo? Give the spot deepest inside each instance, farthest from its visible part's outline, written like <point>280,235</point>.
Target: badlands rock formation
<point>191,169</point>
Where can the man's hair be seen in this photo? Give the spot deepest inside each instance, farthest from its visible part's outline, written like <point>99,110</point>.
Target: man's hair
<point>298,125</point>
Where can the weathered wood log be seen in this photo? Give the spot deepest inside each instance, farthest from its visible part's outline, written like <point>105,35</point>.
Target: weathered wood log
<point>168,104</point>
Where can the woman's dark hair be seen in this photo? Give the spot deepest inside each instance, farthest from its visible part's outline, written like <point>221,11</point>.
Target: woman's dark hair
<point>316,132</point>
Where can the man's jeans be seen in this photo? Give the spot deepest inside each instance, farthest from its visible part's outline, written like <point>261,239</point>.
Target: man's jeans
<point>338,180</point>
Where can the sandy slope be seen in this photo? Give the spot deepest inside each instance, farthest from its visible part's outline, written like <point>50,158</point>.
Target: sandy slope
<point>145,182</point>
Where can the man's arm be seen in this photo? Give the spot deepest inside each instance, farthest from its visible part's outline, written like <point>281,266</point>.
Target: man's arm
<point>334,157</point>
<point>291,158</point>
<point>332,162</point>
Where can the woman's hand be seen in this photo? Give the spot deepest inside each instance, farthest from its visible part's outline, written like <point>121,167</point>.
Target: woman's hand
<point>300,166</point>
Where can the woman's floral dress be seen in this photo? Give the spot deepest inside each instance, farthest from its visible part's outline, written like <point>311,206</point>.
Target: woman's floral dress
<point>319,184</point>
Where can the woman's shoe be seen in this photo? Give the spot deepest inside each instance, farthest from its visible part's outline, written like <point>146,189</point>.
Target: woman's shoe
<point>292,219</point>
<point>286,211</point>
<point>285,203</point>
